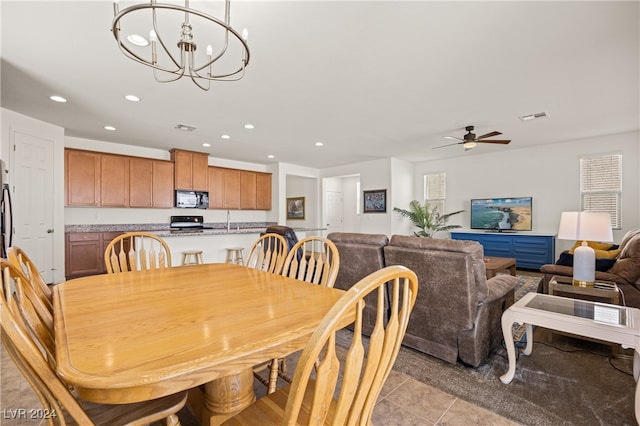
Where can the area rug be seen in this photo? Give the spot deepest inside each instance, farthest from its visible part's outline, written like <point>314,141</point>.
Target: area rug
<point>526,284</point>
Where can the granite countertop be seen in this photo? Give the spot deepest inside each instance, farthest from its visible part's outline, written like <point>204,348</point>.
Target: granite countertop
<point>163,229</point>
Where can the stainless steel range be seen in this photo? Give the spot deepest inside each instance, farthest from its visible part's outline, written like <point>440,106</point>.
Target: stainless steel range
<point>188,223</point>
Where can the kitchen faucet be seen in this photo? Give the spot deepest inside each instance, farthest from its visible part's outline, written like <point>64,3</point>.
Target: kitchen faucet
<point>228,221</point>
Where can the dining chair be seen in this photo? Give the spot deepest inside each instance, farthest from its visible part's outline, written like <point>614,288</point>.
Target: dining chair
<point>60,406</point>
<point>355,370</point>
<point>22,261</point>
<point>314,260</point>
<point>134,251</point>
<point>268,253</point>
<point>36,315</point>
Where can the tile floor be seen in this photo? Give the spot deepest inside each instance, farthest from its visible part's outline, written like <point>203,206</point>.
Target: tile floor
<point>403,401</point>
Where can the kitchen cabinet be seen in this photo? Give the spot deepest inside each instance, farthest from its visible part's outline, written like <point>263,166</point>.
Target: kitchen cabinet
<point>235,189</point>
<point>191,170</point>
<point>247,190</point>
<point>232,189</point>
<point>114,180</point>
<point>150,183</point>
<point>162,186</point>
<point>84,253</point>
<point>216,188</point>
<point>82,178</point>
<point>263,191</point>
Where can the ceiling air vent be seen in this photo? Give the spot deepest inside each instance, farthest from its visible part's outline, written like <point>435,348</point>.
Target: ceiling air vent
<point>185,128</point>
<point>530,117</point>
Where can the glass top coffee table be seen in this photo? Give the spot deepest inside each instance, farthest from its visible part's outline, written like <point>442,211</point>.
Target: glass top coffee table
<point>602,321</point>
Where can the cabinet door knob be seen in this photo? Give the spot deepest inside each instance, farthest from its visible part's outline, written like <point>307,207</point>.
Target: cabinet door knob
<point>49,231</point>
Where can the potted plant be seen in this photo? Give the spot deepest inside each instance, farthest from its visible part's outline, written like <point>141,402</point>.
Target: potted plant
<point>428,220</point>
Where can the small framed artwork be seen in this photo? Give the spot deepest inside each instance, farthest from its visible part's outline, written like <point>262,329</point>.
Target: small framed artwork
<point>375,201</point>
<point>295,208</point>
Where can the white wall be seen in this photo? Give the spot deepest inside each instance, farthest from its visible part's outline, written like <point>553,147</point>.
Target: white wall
<point>298,186</point>
<point>374,175</point>
<point>548,173</point>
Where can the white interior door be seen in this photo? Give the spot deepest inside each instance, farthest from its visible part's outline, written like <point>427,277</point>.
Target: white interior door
<point>335,211</point>
<point>31,184</point>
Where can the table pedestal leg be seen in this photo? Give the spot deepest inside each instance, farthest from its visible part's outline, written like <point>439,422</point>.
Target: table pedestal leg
<point>223,397</point>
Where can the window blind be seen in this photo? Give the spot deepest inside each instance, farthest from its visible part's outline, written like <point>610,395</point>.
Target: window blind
<point>601,185</point>
<point>435,190</point>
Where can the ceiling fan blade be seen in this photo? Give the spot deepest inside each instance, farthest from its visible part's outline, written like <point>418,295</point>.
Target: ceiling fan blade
<point>443,146</point>
<point>500,141</point>
<point>453,138</point>
<point>488,135</point>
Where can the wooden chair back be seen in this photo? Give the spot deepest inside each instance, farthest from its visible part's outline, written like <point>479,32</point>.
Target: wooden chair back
<point>35,314</point>
<point>135,251</point>
<point>54,394</point>
<point>313,259</point>
<point>354,375</point>
<point>19,258</point>
<point>268,253</point>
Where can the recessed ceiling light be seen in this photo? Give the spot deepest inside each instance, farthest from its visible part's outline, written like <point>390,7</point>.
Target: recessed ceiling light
<point>57,98</point>
<point>109,128</point>
<point>319,144</point>
<point>138,40</point>
<point>271,156</point>
<point>132,98</point>
<point>206,144</point>
<point>225,137</point>
<point>248,126</point>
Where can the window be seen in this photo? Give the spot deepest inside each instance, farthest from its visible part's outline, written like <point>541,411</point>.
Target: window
<point>435,190</point>
<point>601,185</point>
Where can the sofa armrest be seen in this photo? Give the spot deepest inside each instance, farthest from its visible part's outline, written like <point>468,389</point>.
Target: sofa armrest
<point>500,286</point>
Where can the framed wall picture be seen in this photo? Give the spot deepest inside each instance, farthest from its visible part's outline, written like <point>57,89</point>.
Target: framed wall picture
<point>295,208</point>
<point>375,201</point>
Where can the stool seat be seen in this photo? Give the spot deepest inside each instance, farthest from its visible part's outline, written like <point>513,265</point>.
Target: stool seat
<point>192,257</point>
<point>234,255</point>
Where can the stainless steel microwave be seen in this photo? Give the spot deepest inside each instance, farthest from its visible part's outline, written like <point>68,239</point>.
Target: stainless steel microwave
<point>192,199</point>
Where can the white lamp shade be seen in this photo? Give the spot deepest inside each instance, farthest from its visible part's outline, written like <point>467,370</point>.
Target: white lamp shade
<point>582,226</point>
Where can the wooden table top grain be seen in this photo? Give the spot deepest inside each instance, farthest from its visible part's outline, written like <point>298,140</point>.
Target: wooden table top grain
<point>134,336</point>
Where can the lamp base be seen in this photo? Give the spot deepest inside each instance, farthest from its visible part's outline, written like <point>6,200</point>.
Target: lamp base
<point>582,283</point>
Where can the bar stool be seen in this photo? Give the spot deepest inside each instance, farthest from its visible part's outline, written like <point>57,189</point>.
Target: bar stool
<point>234,255</point>
<point>192,257</point>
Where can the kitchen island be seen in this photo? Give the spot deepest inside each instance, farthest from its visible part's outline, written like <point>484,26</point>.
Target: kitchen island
<point>85,244</point>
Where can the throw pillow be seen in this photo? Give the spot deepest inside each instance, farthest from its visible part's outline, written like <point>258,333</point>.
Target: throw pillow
<point>602,265</point>
<point>593,244</point>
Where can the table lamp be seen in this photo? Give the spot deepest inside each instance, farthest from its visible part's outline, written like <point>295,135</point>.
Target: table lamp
<point>583,226</point>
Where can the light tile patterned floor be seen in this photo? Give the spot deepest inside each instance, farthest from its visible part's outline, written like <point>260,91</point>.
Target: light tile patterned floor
<point>403,401</point>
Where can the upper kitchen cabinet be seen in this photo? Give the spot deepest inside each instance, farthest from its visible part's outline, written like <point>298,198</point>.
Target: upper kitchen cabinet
<point>190,170</point>
<point>114,180</point>
<point>239,189</point>
<point>263,191</point>
<point>81,178</point>
<point>150,183</point>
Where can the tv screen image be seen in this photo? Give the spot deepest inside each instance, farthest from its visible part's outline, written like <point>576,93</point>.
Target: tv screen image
<point>508,214</point>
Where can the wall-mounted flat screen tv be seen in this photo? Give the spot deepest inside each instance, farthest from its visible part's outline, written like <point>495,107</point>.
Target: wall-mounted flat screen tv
<point>501,214</point>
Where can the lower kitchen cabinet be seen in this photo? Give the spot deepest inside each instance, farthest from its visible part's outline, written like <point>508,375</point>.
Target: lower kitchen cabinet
<point>84,253</point>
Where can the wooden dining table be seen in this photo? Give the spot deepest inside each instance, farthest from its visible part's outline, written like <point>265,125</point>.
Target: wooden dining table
<point>140,335</point>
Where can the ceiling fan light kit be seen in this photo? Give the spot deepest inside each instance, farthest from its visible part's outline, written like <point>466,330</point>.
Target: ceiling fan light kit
<point>196,29</point>
<point>470,141</point>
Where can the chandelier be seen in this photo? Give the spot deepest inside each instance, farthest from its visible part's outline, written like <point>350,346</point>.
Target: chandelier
<point>193,30</point>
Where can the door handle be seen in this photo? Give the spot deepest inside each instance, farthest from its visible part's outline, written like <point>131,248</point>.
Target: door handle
<point>49,231</point>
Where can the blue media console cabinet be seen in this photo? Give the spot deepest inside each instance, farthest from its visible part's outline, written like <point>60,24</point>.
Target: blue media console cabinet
<point>531,251</point>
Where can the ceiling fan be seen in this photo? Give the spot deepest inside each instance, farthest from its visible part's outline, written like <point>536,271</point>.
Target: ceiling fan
<point>470,140</point>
